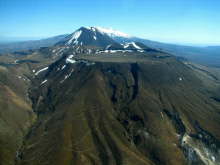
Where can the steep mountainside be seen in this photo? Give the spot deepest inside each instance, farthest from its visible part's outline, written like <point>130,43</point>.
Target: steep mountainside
<point>123,108</point>
<point>16,115</point>
<point>93,101</point>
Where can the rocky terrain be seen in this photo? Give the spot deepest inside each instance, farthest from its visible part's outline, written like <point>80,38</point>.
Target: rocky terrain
<point>92,100</point>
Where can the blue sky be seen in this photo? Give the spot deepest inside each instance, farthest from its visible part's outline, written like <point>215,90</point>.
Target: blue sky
<point>176,21</point>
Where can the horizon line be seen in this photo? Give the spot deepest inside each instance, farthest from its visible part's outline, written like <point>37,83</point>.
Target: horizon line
<point>11,39</point>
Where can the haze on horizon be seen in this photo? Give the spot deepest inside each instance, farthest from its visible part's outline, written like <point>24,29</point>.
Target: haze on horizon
<point>175,21</point>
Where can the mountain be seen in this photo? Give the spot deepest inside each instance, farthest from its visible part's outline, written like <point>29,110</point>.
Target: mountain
<point>202,55</point>
<point>91,40</point>
<point>27,45</point>
<point>132,108</point>
<point>94,101</point>
<point>88,37</point>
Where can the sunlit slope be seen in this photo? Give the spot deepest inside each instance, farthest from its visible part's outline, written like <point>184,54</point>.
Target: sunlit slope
<point>16,114</point>
<point>129,109</point>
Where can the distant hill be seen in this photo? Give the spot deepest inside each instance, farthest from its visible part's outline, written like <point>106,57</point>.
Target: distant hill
<point>204,55</point>
<point>33,44</point>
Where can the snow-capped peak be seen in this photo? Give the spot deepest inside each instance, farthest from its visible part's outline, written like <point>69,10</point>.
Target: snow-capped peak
<point>109,31</point>
<point>95,36</point>
<point>112,33</point>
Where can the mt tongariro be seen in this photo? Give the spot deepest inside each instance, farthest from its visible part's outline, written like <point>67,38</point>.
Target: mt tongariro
<point>97,97</point>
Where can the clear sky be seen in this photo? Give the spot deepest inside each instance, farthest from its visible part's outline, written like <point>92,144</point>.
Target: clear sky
<point>177,21</point>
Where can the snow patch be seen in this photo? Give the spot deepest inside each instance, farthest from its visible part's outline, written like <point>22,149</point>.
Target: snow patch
<point>43,82</point>
<point>70,60</point>
<point>113,51</point>
<point>213,158</point>
<point>108,46</point>
<point>135,45</point>
<point>44,69</point>
<point>126,46</point>
<point>87,27</point>
<point>89,51</point>
<point>75,37</point>
<point>63,67</point>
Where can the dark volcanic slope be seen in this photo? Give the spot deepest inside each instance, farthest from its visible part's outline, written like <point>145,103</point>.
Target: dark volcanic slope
<point>111,109</point>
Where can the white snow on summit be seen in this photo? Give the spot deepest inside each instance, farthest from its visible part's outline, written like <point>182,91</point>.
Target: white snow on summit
<point>109,31</point>
<point>112,33</point>
<point>75,37</point>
